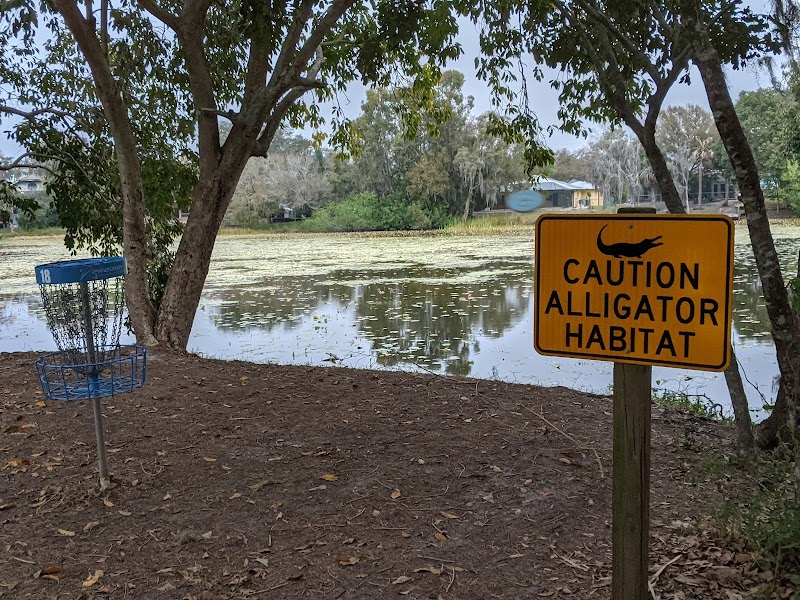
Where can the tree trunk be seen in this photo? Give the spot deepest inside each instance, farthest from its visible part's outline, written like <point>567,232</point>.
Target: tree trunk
<point>741,409</point>
<point>700,184</point>
<point>785,331</point>
<point>669,194</point>
<point>671,197</point>
<point>134,238</point>
<point>468,204</point>
<point>210,200</point>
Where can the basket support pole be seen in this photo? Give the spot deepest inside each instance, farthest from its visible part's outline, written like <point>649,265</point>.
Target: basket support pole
<point>91,354</point>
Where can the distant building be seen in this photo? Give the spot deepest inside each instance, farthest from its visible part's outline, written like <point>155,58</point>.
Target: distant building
<point>572,194</point>
<point>27,180</point>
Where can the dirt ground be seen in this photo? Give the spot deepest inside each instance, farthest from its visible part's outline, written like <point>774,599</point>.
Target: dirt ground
<point>240,480</point>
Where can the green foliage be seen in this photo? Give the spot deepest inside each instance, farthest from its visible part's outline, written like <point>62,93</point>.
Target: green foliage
<point>696,404</point>
<point>10,199</point>
<point>369,212</point>
<point>766,512</point>
<point>43,217</point>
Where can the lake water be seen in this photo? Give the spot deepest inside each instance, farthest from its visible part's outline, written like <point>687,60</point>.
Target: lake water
<point>442,304</point>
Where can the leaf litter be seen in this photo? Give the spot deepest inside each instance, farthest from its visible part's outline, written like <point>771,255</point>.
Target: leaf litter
<point>509,519</point>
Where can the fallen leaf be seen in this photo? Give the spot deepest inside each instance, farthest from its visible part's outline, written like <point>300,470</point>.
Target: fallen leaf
<point>92,579</point>
<point>517,555</point>
<point>41,404</point>
<point>440,536</point>
<point>496,469</point>
<point>329,477</point>
<point>209,459</point>
<point>433,570</point>
<point>206,535</point>
<point>401,579</point>
<point>51,572</point>
<point>448,515</point>
<point>167,587</point>
<point>108,502</point>
<point>349,561</point>
<point>257,486</point>
<point>165,570</point>
<point>125,513</point>
<point>234,496</point>
<point>243,378</point>
<point>66,532</point>
<point>7,506</point>
<point>91,525</point>
<point>395,494</point>
<point>263,561</point>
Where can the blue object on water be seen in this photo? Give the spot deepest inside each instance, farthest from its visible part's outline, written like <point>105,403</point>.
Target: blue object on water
<point>67,377</point>
<point>80,270</point>
<point>525,201</point>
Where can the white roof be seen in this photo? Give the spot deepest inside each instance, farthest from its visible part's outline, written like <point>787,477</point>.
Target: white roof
<point>545,184</point>
<point>581,185</point>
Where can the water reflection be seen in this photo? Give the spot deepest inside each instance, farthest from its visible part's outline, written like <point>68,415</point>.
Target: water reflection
<point>446,305</point>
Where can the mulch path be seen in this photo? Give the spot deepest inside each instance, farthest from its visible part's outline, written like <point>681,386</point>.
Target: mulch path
<point>240,480</point>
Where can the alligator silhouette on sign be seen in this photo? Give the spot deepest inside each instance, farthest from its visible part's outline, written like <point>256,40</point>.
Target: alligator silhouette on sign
<point>626,250</point>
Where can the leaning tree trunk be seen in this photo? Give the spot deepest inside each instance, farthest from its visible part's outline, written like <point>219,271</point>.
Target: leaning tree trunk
<point>669,194</point>
<point>210,200</point>
<point>134,237</point>
<point>468,204</point>
<point>741,409</point>
<point>785,330</point>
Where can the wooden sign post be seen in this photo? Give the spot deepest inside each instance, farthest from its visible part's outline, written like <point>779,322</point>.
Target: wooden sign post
<point>640,290</point>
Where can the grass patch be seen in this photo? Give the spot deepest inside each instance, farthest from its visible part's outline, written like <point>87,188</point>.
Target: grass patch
<point>765,513</point>
<point>696,404</point>
<point>18,233</point>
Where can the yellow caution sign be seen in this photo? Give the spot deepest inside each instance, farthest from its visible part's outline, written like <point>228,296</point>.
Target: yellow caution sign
<point>643,289</point>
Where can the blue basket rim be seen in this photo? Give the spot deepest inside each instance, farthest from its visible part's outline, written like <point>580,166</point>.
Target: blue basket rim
<point>81,269</point>
<point>138,349</point>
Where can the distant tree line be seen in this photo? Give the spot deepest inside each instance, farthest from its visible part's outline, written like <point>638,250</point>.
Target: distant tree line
<point>450,170</point>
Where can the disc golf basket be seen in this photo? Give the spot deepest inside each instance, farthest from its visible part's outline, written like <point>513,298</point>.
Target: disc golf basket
<point>83,300</point>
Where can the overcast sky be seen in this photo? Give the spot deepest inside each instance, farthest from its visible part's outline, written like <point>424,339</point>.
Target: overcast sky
<point>544,99</point>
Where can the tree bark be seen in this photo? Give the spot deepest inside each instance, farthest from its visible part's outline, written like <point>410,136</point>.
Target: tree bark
<point>663,177</point>
<point>134,242</point>
<point>210,200</point>
<point>468,204</point>
<point>784,324</point>
<point>741,409</point>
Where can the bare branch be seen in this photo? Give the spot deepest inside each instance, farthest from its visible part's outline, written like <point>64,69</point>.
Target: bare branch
<point>323,27</point>
<point>301,17</point>
<point>170,20</point>
<point>190,37</point>
<point>16,163</point>
<point>232,116</point>
<point>31,115</point>
<point>274,122</point>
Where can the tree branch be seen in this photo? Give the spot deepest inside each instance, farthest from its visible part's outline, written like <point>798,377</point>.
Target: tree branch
<point>169,19</point>
<point>608,25</point>
<point>274,122</point>
<point>323,27</point>
<point>301,17</point>
<point>190,38</point>
<point>31,115</point>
